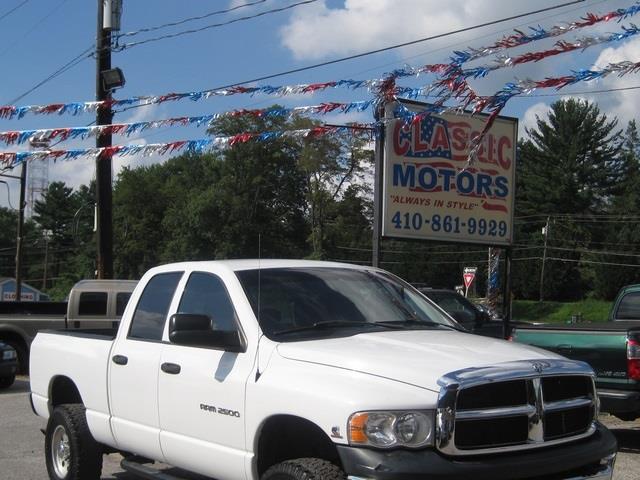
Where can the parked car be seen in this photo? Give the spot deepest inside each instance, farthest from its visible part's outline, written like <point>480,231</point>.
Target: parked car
<point>612,348</point>
<point>91,304</point>
<point>474,318</point>
<point>8,365</point>
<point>299,370</point>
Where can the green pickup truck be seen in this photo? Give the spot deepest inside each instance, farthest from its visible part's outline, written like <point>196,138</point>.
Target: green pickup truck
<point>612,349</point>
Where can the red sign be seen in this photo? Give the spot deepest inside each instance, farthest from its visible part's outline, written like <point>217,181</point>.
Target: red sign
<point>468,279</point>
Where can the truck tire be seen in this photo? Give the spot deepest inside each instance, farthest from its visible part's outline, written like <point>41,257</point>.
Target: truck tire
<point>70,451</point>
<point>23,356</point>
<point>6,382</point>
<point>304,469</point>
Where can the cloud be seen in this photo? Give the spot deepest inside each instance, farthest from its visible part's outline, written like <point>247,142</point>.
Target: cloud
<point>530,118</point>
<point>622,104</point>
<point>318,31</point>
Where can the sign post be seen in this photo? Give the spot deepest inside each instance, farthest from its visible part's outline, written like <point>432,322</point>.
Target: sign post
<point>468,276</point>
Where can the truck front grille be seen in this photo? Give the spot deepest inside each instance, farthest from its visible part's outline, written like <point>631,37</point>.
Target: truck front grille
<point>515,406</point>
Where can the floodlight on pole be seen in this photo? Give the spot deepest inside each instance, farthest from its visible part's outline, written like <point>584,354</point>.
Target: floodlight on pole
<point>112,79</point>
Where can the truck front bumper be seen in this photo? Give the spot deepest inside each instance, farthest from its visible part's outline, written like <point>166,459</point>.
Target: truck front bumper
<point>589,459</point>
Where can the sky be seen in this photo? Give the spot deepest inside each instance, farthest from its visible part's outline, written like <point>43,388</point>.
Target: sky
<point>37,37</point>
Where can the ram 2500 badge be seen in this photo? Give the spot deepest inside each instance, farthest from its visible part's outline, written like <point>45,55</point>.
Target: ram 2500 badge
<point>277,370</point>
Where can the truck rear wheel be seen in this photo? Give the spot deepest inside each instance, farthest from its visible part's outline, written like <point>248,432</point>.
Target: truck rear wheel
<point>70,451</point>
<point>23,356</point>
<point>304,469</point>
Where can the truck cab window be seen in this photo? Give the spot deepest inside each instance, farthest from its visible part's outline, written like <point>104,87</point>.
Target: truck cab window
<point>206,294</point>
<point>121,302</point>
<point>151,311</point>
<point>93,303</point>
<point>629,307</point>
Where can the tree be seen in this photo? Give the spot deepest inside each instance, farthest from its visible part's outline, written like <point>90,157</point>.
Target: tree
<point>570,165</point>
<point>622,238</point>
<point>65,232</point>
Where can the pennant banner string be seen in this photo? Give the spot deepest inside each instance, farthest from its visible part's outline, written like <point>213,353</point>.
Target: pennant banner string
<point>10,159</point>
<point>503,61</point>
<point>459,58</point>
<point>20,137</point>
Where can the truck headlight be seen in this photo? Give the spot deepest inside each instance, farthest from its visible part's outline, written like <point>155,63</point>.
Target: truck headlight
<point>9,355</point>
<point>413,429</point>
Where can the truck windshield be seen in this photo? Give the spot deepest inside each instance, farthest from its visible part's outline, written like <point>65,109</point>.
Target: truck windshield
<point>321,302</point>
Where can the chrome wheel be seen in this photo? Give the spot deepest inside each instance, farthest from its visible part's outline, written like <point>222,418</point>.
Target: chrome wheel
<point>60,451</point>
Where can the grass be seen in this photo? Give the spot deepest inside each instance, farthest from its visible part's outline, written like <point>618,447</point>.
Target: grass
<point>560,312</point>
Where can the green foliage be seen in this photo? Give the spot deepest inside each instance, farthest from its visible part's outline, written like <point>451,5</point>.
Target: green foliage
<point>560,312</point>
<point>286,197</point>
<point>571,166</point>
<point>622,237</point>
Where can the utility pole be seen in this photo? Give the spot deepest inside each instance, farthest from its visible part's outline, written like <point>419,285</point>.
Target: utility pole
<point>378,186</point>
<point>104,117</point>
<point>19,239</point>
<point>545,232</point>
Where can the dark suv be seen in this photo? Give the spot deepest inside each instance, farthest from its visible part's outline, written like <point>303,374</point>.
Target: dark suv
<point>8,365</point>
<point>474,319</point>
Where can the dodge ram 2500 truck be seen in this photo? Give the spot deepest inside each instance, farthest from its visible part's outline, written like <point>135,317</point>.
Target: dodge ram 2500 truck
<point>300,370</point>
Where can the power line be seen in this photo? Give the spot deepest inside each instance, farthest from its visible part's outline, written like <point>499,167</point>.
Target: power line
<point>13,9</point>
<point>467,42</point>
<point>36,25</point>
<point>584,92</point>
<point>190,19</point>
<point>215,25</point>
<point>67,66</point>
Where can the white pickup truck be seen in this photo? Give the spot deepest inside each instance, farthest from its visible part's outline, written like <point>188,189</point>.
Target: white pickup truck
<point>278,370</point>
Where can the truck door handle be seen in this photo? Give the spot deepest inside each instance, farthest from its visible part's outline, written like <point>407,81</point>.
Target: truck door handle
<point>120,359</point>
<point>170,368</point>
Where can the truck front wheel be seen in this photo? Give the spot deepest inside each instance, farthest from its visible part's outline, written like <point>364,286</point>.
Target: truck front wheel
<point>71,453</point>
<point>304,469</point>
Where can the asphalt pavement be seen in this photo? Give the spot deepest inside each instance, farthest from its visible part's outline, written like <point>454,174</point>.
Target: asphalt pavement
<point>22,442</point>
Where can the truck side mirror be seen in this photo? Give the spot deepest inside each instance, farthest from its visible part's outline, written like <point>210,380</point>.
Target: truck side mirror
<point>194,330</point>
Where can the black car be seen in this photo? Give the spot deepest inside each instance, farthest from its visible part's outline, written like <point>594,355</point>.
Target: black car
<point>8,365</point>
<point>474,319</point>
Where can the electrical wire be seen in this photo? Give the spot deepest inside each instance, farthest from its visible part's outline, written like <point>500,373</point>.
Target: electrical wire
<point>34,27</point>
<point>5,15</point>
<point>475,39</point>
<point>67,66</point>
<point>215,25</point>
<point>190,19</point>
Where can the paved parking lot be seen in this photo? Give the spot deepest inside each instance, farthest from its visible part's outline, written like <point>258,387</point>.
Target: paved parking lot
<point>22,443</point>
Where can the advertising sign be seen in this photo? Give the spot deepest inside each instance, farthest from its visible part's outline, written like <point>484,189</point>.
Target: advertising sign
<point>24,296</point>
<point>430,190</point>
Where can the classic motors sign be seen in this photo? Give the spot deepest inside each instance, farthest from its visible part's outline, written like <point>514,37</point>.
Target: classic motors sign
<point>431,192</point>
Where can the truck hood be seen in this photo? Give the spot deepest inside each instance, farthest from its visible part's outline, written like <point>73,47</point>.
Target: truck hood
<point>415,357</point>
